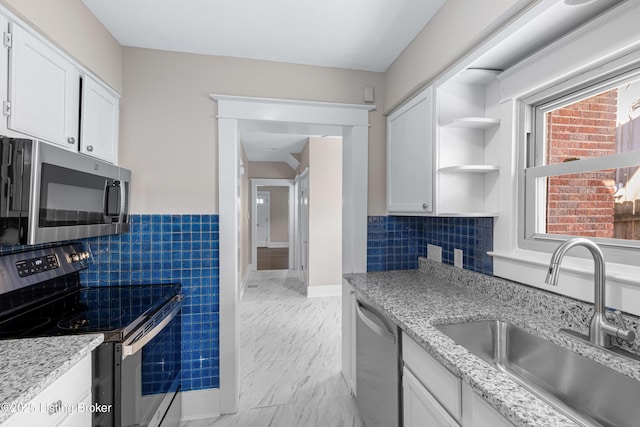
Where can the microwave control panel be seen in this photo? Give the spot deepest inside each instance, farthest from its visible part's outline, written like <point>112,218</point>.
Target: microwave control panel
<point>37,265</point>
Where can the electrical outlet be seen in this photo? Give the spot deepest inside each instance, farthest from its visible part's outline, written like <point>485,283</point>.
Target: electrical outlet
<point>434,253</point>
<point>457,257</point>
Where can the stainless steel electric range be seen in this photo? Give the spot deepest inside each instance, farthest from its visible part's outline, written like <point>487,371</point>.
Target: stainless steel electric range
<point>138,367</point>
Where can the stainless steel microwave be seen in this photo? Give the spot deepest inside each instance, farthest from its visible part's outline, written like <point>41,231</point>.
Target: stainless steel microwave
<point>51,194</point>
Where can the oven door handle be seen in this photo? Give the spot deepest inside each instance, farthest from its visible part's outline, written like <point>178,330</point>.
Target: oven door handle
<point>135,343</point>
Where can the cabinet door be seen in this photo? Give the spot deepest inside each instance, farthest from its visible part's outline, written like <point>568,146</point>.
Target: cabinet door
<point>478,413</point>
<point>410,156</point>
<point>4,70</point>
<point>64,402</point>
<point>44,91</point>
<point>419,407</point>
<point>99,128</point>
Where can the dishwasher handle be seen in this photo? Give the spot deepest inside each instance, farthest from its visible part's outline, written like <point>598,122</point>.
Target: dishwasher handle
<point>377,329</point>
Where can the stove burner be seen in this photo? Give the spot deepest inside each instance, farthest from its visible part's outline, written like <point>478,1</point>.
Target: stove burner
<point>23,326</point>
<point>78,323</point>
<point>100,320</point>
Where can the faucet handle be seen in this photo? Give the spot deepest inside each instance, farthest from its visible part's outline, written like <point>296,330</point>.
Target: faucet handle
<point>623,332</point>
<point>618,315</point>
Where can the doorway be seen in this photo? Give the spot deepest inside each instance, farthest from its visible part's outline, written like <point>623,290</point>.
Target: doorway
<point>350,121</point>
<point>272,208</point>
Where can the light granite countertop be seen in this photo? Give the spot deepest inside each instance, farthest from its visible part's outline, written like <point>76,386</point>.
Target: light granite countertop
<point>417,300</point>
<point>29,365</point>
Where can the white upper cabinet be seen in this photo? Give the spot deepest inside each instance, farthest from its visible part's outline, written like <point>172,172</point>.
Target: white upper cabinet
<point>410,156</point>
<point>44,91</point>
<point>47,96</point>
<point>4,67</point>
<point>99,127</point>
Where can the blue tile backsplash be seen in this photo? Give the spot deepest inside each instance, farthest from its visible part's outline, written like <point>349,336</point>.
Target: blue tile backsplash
<point>396,242</point>
<point>167,249</point>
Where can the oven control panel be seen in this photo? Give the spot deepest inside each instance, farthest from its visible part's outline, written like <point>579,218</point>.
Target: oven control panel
<point>37,265</point>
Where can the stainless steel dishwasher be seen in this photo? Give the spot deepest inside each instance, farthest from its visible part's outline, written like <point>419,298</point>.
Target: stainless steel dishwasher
<point>377,368</point>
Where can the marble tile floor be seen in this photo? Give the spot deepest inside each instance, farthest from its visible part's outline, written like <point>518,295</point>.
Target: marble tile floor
<point>289,359</point>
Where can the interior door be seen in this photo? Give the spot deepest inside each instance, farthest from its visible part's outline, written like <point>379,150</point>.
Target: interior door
<point>262,218</point>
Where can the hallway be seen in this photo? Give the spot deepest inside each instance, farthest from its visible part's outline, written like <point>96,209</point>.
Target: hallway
<point>290,358</point>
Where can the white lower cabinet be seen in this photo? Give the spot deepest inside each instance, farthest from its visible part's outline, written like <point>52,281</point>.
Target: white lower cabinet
<point>66,402</point>
<point>419,407</point>
<point>433,396</point>
<point>478,413</point>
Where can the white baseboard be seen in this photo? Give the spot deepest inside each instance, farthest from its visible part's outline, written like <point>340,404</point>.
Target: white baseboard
<point>278,244</point>
<point>324,291</point>
<point>200,404</point>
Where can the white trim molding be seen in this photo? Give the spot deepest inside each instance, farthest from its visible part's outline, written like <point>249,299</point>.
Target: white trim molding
<point>200,404</point>
<point>324,291</point>
<point>350,121</point>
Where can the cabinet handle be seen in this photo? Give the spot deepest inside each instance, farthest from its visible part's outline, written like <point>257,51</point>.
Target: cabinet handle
<point>71,140</point>
<point>90,148</point>
<point>425,206</point>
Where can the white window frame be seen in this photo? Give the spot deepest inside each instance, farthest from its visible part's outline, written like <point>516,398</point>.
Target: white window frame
<point>604,47</point>
<point>533,212</point>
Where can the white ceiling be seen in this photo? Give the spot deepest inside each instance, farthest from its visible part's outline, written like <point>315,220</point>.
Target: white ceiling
<point>355,34</point>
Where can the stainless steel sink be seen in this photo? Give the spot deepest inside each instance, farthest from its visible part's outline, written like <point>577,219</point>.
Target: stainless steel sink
<point>586,391</point>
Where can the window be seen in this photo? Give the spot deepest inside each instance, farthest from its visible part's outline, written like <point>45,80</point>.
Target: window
<point>582,175</point>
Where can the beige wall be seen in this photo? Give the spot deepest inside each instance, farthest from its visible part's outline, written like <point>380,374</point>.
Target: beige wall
<point>457,27</point>
<point>71,26</point>
<point>271,170</point>
<point>278,213</point>
<point>325,211</point>
<point>168,123</point>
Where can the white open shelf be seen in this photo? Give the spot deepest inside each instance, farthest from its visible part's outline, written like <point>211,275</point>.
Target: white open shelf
<point>472,123</point>
<point>471,168</point>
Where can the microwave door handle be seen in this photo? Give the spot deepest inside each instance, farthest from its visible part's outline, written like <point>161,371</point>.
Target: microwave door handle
<point>7,188</point>
<point>111,185</point>
<point>122,196</point>
<point>7,164</point>
<point>135,343</point>
<point>105,197</point>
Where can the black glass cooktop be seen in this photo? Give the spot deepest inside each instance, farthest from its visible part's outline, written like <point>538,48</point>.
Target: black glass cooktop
<point>70,309</point>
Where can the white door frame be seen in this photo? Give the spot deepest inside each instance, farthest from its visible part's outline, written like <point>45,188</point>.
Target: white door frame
<point>301,234</point>
<point>353,121</point>
<point>259,182</point>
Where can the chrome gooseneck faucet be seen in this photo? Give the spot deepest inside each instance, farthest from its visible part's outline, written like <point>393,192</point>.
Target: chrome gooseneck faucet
<point>600,329</point>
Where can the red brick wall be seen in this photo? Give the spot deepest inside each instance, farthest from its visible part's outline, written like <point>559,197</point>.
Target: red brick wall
<point>582,204</point>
